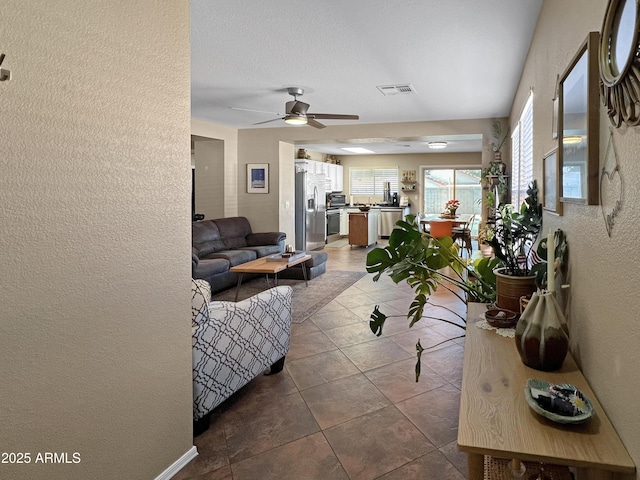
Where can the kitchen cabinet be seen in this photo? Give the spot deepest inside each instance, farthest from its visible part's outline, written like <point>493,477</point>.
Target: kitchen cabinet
<point>332,173</point>
<point>363,228</point>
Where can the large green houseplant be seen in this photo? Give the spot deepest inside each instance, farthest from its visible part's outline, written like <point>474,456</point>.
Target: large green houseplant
<point>512,237</point>
<point>427,263</point>
<point>515,232</point>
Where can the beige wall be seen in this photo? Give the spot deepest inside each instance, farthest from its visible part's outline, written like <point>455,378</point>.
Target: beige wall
<point>208,158</point>
<point>230,138</point>
<point>95,336</point>
<point>604,274</point>
<point>407,162</point>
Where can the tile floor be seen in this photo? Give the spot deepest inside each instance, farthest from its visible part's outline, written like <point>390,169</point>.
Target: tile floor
<point>347,405</point>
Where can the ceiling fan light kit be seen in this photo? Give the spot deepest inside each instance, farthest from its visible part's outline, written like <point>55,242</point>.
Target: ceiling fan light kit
<point>296,112</point>
<point>295,119</point>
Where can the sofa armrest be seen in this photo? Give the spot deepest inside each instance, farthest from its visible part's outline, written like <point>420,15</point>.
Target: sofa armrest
<point>265,238</point>
<point>238,342</point>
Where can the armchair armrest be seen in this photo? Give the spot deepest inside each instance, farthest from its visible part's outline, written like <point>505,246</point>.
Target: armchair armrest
<point>265,238</point>
<point>238,342</point>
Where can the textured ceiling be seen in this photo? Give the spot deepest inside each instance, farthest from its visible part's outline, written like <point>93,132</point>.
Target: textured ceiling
<point>464,58</point>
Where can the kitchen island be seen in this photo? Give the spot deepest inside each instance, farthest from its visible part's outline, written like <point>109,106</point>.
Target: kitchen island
<point>363,227</point>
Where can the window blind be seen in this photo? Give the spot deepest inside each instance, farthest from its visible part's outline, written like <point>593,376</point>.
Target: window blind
<point>370,181</point>
<point>522,154</point>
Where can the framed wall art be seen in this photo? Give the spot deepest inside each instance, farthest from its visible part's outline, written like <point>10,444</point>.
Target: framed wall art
<point>578,126</point>
<point>257,178</point>
<point>551,183</point>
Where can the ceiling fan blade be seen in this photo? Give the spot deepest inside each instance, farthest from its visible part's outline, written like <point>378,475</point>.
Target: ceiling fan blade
<point>313,123</point>
<point>252,110</point>
<point>333,116</point>
<point>268,121</point>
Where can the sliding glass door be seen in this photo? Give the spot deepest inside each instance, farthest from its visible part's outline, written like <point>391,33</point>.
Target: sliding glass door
<point>444,184</point>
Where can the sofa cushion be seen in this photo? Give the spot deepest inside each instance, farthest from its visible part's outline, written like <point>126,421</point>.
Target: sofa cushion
<point>211,266</point>
<point>265,238</point>
<point>235,257</point>
<point>264,250</point>
<point>233,231</point>
<point>206,238</point>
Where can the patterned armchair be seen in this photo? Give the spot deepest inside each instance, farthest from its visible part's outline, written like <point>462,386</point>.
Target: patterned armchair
<point>235,342</point>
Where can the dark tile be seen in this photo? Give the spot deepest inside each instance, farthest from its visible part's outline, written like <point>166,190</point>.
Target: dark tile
<point>376,353</point>
<point>333,319</point>
<point>309,344</point>
<point>309,458</point>
<point>407,340</point>
<point>325,367</point>
<point>350,334</point>
<point>349,299</point>
<point>398,380</point>
<point>446,360</point>
<point>223,473</point>
<point>435,413</point>
<point>455,456</point>
<point>266,424</point>
<point>432,466</point>
<point>212,452</point>
<point>385,441</point>
<point>302,328</point>
<point>341,400</point>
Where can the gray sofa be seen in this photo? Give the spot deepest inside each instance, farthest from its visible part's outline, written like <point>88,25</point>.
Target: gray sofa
<point>218,245</point>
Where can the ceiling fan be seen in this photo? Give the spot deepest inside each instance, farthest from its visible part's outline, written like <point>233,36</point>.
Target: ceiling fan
<point>296,112</point>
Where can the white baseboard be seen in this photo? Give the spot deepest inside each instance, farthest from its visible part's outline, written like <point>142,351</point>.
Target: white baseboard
<point>179,464</point>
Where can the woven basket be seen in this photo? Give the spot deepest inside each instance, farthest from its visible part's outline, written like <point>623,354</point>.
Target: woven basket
<point>498,469</point>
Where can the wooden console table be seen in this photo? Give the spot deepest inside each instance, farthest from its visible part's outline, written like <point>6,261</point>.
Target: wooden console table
<point>496,420</point>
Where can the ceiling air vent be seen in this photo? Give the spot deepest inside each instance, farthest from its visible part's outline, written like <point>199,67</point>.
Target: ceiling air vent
<point>396,89</point>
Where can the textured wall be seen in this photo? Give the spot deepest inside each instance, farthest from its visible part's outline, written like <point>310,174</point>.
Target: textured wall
<point>603,298</point>
<point>95,340</point>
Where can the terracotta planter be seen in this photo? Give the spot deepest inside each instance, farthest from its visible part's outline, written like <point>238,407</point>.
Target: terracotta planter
<point>509,289</point>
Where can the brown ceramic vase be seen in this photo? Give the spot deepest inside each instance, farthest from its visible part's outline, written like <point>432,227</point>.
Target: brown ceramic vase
<point>541,338</point>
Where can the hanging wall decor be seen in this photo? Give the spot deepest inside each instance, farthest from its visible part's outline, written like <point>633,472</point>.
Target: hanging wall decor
<point>611,186</point>
<point>578,126</point>
<point>619,59</point>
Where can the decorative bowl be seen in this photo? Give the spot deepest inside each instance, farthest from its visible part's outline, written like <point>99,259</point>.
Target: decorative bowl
<point>562,403</point>
<point>501,318</point>
<point>364,208</point>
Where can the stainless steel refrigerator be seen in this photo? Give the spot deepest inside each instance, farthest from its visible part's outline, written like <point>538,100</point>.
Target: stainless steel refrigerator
<point>311,227</point>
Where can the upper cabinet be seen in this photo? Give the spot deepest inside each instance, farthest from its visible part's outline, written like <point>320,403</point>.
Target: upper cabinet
<point>333,173</point>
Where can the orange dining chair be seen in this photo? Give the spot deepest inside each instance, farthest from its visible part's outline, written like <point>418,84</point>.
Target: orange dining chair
<point>440,228</point>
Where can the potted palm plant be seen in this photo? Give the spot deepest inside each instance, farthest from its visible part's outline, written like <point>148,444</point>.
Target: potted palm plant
<point>513,237</point>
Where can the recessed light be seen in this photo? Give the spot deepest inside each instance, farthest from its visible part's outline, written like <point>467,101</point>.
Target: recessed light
<point>357,150</point>
<point>437,145</point>
<point>572,139</point>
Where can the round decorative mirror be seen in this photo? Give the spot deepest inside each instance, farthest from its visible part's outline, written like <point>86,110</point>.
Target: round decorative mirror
<point>620,61</point>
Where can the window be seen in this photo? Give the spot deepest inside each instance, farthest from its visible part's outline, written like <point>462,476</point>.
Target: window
<point>370,181</point>
<point>444,184</point>
<point>522,154</point>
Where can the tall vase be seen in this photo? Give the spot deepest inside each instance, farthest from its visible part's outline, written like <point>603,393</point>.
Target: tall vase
<point>541,338</point>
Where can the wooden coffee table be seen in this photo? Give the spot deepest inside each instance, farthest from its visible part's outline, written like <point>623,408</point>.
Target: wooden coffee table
<point>262,265</point>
